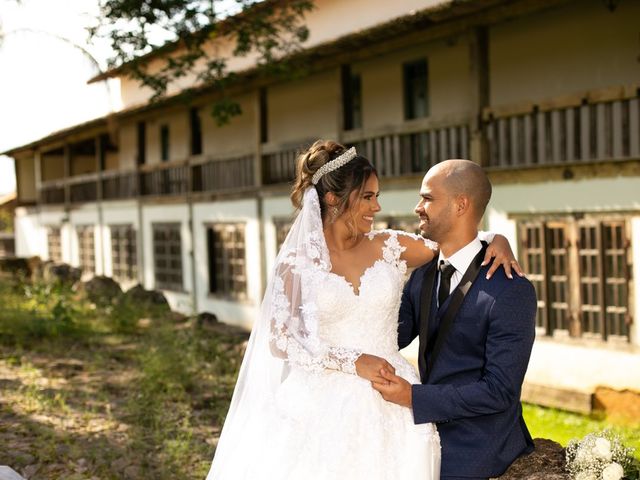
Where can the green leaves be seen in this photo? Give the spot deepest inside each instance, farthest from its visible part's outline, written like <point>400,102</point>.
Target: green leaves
<point>177,36</point>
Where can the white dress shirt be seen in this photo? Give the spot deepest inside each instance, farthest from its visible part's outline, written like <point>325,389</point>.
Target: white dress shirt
<point>461,261</point>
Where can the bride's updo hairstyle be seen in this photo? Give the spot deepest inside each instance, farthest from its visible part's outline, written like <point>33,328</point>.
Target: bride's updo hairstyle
<point>341,181</point>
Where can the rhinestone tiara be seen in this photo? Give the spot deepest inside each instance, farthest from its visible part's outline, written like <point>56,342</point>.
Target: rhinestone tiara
<point>334,164</point>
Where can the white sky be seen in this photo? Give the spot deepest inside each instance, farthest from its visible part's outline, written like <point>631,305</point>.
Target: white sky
<point>43,79</point>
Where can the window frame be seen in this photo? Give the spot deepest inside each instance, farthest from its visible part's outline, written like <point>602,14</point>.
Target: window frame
<point>167,256</point>
<point>165,142</point>
<point>415,79</point>
<point>127,244</point>
<point>588,321</point>
<point>351,98</point>
<point>86,259</point>
<point>223,287</point>
<point>58,229</point>
<point>195,131</point>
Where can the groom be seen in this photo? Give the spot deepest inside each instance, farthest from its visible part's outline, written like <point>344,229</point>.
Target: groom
<point>475,334</point>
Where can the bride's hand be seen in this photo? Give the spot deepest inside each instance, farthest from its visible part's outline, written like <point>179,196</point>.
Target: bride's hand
<point>500,250</point>
<point>369,366</point>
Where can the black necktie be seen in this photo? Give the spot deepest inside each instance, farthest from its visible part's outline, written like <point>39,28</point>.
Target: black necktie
<point>446,272</point>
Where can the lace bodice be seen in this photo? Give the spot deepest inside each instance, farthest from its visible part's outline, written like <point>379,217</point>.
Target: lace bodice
<point>366,320</point>
<point>317,321</point>
<point>346,323</point>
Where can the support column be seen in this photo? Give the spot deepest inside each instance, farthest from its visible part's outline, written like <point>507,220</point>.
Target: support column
<point>480,96</point>
<point>100,158</point>
<point>261,118</point>
<point>344,74</point>
<point>192,233</point>
<point>37,173</point>
<point>67,174</point>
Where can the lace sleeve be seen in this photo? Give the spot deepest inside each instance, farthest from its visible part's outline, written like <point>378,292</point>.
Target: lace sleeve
<point>430,244</point>
<point>299,347</point>
<point>294,322</point>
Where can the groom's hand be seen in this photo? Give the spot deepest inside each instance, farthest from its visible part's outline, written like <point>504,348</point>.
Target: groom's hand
<point>395,390</point>
<point>370,366</point>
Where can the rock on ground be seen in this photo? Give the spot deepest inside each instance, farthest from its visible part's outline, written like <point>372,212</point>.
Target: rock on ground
<point>148,298</point>
<point>206,319</point>
<point>546,462</point>
<point>21,267</point>
<point>61,272</point>
<point>102,291</point>
<point>7,473</point>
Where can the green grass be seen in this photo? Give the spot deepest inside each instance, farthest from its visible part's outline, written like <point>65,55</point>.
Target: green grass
<point>99,392</point>
<point>562,426</point>
<point>112,392</point>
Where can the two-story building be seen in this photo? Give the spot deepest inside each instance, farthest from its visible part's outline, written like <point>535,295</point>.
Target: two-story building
<point>545,94</point>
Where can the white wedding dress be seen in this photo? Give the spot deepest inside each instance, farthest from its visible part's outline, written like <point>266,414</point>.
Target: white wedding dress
<point>334,425</point>
<point>321,421</point>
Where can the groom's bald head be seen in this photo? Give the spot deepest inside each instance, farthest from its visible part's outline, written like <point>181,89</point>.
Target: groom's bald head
<point>463,177</point>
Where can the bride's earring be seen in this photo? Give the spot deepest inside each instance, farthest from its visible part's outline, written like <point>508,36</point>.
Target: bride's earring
<point>333,214</point>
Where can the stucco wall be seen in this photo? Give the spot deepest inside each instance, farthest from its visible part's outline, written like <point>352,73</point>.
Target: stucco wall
<point>448,80</point>
<point>128,144</point>
<point>578,47</point>
<point>238,136</point>
<point>330,19</point>
<point>178,123</point>
<point>81,164</point>
<point>304,109</point>
<point>52,167</point>
<point>25,177</point>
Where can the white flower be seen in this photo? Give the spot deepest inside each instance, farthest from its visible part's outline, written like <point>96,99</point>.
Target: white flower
<point>613,471</point>
<point>586,476</point>
<point>602,449</point>
<point>582,455</point>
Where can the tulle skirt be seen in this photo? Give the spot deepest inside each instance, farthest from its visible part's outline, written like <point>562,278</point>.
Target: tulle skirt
<point>334,425</point>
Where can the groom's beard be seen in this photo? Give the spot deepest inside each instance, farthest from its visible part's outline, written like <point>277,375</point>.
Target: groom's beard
<point>437,229</point>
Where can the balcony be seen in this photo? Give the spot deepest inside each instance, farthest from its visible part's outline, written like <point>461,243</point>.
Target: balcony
<point>209,175</point>
<point>413,147</point>
<point>52,192</point>
<point>165,179</point>
<point>395,151</point>
<point>223,175</point>
<point>83,188</point>
<point>118,185</point>
<point>583,129</point>
<point>597,126</point>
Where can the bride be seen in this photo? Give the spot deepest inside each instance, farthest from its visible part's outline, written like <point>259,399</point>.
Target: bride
<point>303,406</point>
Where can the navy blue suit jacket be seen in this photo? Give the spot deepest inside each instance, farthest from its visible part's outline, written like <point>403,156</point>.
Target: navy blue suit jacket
<point>473,391</point>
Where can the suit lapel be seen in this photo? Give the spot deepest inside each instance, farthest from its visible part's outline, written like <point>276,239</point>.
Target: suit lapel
<point>426,297</point>
<point>450,308</point>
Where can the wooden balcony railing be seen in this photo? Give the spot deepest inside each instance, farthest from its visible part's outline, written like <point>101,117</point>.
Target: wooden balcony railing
<point>413,148</point>
<point>52,192</point>
<point>165,179</point>
<point>117,185</point>
<point>223,175</point>
<point>592,127</point>
<point>279,162</point>
<point>395,151</point>
<point>580,131</point>
<point>83,188</point>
